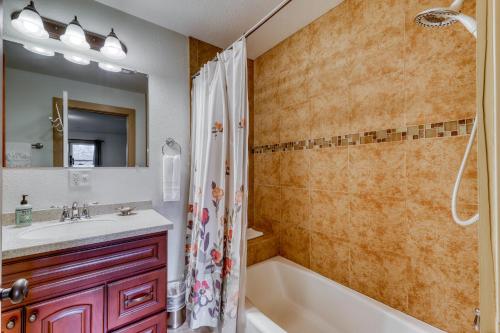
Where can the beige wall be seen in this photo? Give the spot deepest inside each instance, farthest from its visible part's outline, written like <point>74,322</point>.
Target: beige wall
<point>367,203</point>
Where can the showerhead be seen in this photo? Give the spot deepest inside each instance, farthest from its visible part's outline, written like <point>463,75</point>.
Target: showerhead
<point>442,17</point>
<point>436,17</point>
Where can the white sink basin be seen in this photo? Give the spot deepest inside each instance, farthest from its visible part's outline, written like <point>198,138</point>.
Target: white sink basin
<point>81,229</point>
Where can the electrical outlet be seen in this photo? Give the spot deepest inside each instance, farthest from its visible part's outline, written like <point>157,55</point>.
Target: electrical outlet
<point>80,178</point>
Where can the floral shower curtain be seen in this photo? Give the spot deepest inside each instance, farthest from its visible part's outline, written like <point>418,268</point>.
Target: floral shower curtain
<point>217,219</point>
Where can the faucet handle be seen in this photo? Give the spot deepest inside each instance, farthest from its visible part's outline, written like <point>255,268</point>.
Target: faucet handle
<point>86,211</point>
<point>477,320</point>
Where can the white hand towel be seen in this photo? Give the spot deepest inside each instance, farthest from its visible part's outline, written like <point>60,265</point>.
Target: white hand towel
<point>18,154</point>
<point>171,177</point>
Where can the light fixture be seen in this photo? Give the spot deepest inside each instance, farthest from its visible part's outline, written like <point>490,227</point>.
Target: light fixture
<point>29,22</point>
<point>39,50</point>
<point>75,36</point>
<point>113,47</point>
<point>109,67</point>
<point>77,59</point>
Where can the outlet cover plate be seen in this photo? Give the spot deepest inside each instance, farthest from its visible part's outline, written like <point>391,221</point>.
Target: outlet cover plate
<point>80,178</point>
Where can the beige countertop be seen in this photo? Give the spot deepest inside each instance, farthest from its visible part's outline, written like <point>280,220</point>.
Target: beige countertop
<point>49,236</point>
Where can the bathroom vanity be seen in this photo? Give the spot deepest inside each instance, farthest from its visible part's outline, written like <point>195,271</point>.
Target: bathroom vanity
<point>114,280</point>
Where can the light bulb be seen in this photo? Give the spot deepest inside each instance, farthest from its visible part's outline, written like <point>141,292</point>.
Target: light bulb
<point>109,67</point>
<point>74,35</point>
<point>113,47</point>
<point>29,22</point>
<point>39,50</point>
<point>77,59</point>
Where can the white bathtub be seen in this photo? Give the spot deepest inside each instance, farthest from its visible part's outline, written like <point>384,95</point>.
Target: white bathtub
<point>285,297</point>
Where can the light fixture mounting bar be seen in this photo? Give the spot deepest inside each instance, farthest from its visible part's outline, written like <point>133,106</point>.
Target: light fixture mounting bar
<point>56,30</point>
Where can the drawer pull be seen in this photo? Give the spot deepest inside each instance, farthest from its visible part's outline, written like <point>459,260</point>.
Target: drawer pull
<point>133,301</point>
<point>33,317</point>
<point>11,323</point>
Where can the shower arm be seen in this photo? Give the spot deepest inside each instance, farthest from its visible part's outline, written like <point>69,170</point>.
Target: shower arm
<point>457,5</point>
<point>468,22</point>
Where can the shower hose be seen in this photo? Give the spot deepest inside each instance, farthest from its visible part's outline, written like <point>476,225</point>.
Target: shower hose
<point>454,195</point>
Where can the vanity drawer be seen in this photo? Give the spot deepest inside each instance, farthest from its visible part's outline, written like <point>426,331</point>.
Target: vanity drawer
<point>11,321</point>
<point>155,324</point>
<point>136,297</point>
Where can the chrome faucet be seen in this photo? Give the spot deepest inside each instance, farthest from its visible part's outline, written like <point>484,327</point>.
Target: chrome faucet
<point>64,214</point>
<point>75,212</point>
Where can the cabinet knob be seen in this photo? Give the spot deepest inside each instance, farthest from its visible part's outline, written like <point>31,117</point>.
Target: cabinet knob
<point>11,323</point>
<point>33,317</point>
<point>17,293</point>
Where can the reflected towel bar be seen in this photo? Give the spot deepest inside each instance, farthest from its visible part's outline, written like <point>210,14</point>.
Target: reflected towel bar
<point>170,142</point>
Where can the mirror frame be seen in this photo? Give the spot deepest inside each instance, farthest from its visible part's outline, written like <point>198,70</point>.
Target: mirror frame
<point>57,139</point>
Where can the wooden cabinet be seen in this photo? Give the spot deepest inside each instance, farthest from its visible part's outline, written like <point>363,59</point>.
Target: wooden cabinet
<point>11,321</point>
<point>81,312</point>
<point>117,286</point>
<point>155,324</point>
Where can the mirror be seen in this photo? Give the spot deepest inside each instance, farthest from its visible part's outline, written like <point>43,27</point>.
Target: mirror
<point>105,113</point>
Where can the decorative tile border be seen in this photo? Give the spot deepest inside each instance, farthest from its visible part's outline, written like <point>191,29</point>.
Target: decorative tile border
<point>434,130</point>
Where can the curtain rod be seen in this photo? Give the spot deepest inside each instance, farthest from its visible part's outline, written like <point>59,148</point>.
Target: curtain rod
<point>255,27</point>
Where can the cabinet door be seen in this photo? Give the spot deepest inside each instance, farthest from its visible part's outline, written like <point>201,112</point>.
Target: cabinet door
<point>82,312</point>
<point>155,324</point>
<point>11,321</point>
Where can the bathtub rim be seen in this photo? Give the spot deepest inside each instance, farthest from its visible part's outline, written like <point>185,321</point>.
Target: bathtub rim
<point>395,314</point>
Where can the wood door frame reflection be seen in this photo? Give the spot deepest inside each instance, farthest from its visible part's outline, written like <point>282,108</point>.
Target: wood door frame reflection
<point>57,139</point>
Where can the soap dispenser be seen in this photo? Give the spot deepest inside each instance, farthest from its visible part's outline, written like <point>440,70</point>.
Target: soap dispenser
<point>23,213</point>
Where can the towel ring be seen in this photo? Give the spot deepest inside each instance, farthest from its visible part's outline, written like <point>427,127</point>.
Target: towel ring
<point>170,142</point>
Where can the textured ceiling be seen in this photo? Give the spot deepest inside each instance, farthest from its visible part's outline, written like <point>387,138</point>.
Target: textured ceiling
<point>218,22</point>
<point>221,22</point>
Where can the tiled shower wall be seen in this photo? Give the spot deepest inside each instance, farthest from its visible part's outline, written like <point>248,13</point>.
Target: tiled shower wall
<point>200,53</point>
<point>368,203</point>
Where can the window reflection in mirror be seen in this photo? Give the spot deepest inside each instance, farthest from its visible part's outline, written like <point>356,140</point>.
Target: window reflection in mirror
<point>85,153</point>
<point>98,139</point>
<point>106,112</point>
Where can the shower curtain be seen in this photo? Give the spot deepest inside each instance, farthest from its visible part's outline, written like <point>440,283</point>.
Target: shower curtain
<point>488,101</point>
<point>217,217</point>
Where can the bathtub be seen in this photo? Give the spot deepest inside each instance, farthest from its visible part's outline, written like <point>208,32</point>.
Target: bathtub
<point>282,296</point>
